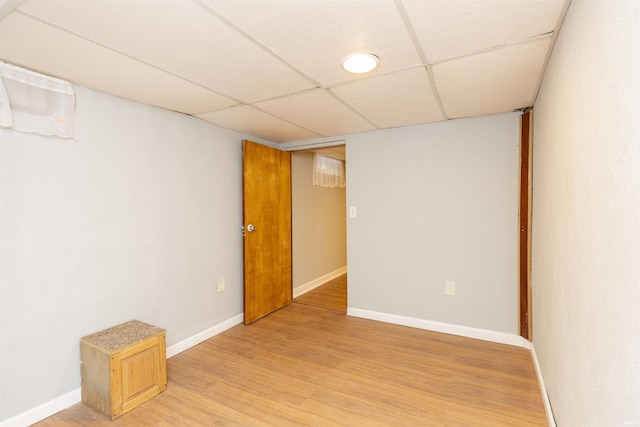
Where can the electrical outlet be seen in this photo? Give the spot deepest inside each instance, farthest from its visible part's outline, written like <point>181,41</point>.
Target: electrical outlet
<point>221,285</point>
<point>450,288</point>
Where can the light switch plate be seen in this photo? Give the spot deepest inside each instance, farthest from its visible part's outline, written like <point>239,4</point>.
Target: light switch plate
<point>450,288</point>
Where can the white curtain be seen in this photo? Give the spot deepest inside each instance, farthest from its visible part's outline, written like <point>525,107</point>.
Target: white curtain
<point>328,172</point>
<point>35,103</point>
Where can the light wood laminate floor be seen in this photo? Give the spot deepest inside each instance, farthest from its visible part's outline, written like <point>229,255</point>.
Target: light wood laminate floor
<point>310,365</point>
<point>332,294</point>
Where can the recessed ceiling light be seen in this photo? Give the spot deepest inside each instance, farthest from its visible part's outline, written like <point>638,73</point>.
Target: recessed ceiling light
<point>360,63</point>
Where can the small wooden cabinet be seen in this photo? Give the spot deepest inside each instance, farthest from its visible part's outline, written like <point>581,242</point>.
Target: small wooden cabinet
<point>123,367</point>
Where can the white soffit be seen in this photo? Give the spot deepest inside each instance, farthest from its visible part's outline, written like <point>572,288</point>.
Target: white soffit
<point>316,35</point>
<point>336,152</point>
<point>193,43</point>
<point>453,28</point>
<point>32,44</point>
<point>317,111</point>
<point>493,82</point>
<point>400,99</point>
<point>249,120</point>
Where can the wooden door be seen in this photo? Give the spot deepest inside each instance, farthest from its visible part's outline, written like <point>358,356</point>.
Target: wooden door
<point>267,229</point>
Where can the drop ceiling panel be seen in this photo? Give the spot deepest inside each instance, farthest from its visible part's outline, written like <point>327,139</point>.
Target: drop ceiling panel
<point>315,35</point>
<point>493,82</point>
<point>272,68</point>
<point>317,111</point>
<point>453,28</point>
<point>32,44</point>
<point>251,121</point>
<point>180,37</point>
<point>398,99</point>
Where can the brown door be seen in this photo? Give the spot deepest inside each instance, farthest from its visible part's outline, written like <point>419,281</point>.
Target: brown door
<point>267,229</point>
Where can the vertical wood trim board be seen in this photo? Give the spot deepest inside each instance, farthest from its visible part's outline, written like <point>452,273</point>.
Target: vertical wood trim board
<point>524,232</point>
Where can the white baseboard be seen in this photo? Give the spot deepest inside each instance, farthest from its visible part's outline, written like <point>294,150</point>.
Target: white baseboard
<point>543,388</point>
<point>465,331</point>
<point>58,404</point>
<point>430,325</point>
<point>43,411</point>
<point>204,335</point>
<point>303,289</point>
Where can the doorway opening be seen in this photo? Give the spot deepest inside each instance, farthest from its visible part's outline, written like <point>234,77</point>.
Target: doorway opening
<point>319,242</point>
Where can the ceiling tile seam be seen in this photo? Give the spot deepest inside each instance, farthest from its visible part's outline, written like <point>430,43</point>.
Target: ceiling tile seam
<point>51,24</point>
<point>202,119</point>
<point>256,135</point>
<point>529,39</point>
<point>343,102</point>
<point>436,92</point>
<point>402,11</point>
<point>337,98</point>
<point>284,95</point>
<point>343,83</point>
<point>239,104</point>
<point>552,43</point>
<point>253,40</point>
<point>423,56</point>
<point>372,77</point>
<point>287,121</point>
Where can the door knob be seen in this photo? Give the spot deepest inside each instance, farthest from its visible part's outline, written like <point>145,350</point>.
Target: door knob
<point>251,228</point>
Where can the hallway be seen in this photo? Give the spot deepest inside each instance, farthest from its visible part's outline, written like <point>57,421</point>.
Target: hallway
<point>332,295</point>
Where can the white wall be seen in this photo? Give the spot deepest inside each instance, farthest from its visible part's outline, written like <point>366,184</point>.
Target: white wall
<point>586,217</point>
<point>136,220</point>
<point>436,203</point>
<point>319,226</point>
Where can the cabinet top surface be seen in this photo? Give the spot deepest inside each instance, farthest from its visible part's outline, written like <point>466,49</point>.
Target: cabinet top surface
<point>119,337</point>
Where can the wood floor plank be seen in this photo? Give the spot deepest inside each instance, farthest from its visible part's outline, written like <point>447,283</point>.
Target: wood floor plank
<point>312,365</point>
<point>351,409</point>
<point>265,409</point>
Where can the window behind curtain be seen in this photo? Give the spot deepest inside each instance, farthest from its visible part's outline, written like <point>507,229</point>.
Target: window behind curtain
<point>328,172</point>
<point>35,103</point>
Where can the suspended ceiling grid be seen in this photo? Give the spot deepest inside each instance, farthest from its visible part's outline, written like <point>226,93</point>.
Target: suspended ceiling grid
<point>272,68</point>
